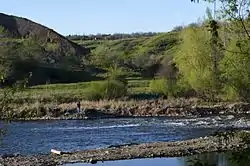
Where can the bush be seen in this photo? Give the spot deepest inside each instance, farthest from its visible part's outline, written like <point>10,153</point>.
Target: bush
<point>170,88</point>
<point>230,94</point>
<point>159,86</point>
<point>117,73</point>
<point>110,89</point>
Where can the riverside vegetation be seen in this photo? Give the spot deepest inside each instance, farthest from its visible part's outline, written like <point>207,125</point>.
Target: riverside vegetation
<point>208,60</point>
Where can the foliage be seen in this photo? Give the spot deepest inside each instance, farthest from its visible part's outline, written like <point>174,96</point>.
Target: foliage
<point>26,47</point>
<point>5,100</point>
<point>194,61</point>
<point>111,36</point>
<point>3,32</point>
<point>109,89</point>
<point>18,59</point>
<point>67,93</point>
<point>186,60</point>
<point>6,96</point>
<point>235,67</point>
<point>116,73</point>
<point>134,54</point>
<point>236,11</point>
<point>168,88</point>
<point>159,86</point>
<point>52,46</point>
<point>114,87</point>
<point>178,28</point>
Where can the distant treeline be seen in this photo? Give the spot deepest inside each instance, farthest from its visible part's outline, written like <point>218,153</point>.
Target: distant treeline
<point>111,36</point>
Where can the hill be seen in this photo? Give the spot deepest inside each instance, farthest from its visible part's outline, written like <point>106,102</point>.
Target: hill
<point>28,47</point>
<point>19,27</point>
<point>54,58</point>
<point>142,55</point>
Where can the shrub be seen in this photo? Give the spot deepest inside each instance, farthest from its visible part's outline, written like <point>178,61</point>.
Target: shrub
<point>110,89</point>
<point>159,86</point>
<point>230,94</point>
<point>117,73</point>
<point>170,88</point>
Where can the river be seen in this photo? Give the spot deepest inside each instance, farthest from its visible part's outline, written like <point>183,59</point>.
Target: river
<point>212,159</point>
<point>39,137</point>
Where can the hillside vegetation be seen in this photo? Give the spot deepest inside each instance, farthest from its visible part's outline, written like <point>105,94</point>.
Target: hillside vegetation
<point>45,56</point>
<point>141,56</point>
<point>208,60</point>
<point>27,47</point>
<point>19,28</point>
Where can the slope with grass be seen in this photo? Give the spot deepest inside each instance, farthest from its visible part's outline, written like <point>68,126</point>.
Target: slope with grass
<point>20,28</point>
<point>141,55</point>
<point>64,93</point>
<point>28,47</point>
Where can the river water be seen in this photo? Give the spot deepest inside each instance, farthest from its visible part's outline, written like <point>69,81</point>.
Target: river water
<point>212,159</point>
<point>39,137</point>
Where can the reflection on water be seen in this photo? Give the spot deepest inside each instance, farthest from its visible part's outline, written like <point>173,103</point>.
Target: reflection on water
<point>137,162</point>
<point>214,159</point>
<point>211,159</point>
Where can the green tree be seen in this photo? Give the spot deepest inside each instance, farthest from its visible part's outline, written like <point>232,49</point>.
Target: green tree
<point>235,68</point>
<point>105,57</point>
<point>117,73</point>
<point>113,87</point>
<point>237,11</point>
<point>195,62</point>
<point>8,61</point>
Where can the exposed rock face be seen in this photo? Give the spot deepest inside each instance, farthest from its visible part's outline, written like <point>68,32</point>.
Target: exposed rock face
<point>19,27</point>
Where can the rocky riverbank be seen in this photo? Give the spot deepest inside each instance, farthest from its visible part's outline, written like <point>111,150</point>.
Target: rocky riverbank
<point>221,142</point>
<point>109,109</point>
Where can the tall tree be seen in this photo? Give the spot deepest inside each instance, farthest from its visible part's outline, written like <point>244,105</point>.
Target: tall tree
<point>237,11</point>
<point>195,62</point>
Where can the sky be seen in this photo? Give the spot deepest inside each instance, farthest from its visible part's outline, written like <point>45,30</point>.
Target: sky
<point>107,16</point>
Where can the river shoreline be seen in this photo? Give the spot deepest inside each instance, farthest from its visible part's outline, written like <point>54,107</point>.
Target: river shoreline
<point>230,141</point>
<point>128,109</point>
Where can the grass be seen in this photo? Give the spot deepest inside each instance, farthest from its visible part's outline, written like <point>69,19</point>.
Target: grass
<point>66,93</point>
<point>55,99</point>
<point>163,44</point>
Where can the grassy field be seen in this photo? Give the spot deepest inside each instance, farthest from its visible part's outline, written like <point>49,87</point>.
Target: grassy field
<point>65,93</point>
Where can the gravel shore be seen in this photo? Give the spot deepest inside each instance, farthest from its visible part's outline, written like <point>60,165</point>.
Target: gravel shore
<point>216,143</point>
